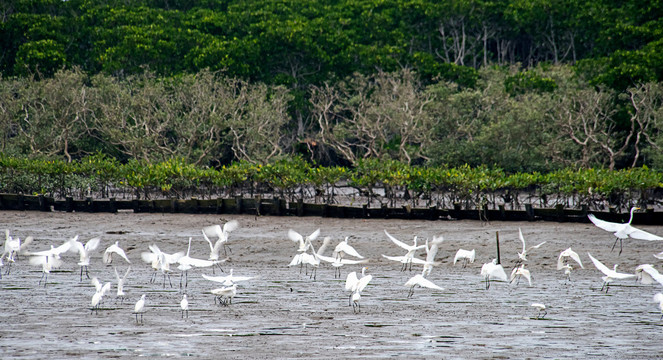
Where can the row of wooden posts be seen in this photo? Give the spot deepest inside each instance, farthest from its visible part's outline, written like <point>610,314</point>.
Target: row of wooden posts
<point>279,207</point>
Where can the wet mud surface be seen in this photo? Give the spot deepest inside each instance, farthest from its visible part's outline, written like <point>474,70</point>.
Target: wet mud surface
<point>283,313</point>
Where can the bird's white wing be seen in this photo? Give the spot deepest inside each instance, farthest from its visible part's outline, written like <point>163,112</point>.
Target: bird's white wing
<point>351,280</point>
<point>117,276</point>
<point>211,246</point>
<point>148,256</point>
<point>314,235</point>
<point>522,239</point>
<point>353,262</point>
<point>398,242</point>
<point>62,248</point>
<point>573,255</point>
<point>295,236</point>
<point>296,260</point>
<point>618,275</point>
<point>348,250</point>
<point>363,282</point>
<point>230,226</point>
<point>395,258</point>
<point>173,258</point>
<point>220,279</point>
<point>536,246</point>
<point>106,288</point>
<point>76,246</point>
<point>126,273</point>
<point>641,234</point>
<point>241,278</point>
<point>605,225</point>
<point>96,283</point>
<point>432,253</point>
<point>658,298</point>
<point>201,262</point>
<point>24,244</point>
<point>599,265</point>
<point>92,244</point>
<point>423,282</point>
<point>497,273</point>
<point>213,230</point>
<point>123,255</point>
<point>325,258</point>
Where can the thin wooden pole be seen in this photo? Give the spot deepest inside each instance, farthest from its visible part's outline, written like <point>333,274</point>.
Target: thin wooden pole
<point>497,238</point>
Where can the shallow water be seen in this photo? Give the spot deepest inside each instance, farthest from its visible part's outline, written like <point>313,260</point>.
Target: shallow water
<point>283,313</point>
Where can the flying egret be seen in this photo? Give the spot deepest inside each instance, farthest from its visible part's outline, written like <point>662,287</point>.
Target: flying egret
<point>14,247</point>
<point>466,255</point>
<point>114,249</point>
<point>100,291</point>
<point>184,305</point>
<point>610,275</point>
<point>356,285</point>
<point>344,248</point>
<point>161,261</point>
<point>337,263</point>
<point>493,271</point>
<point>225,294</point>
<point>542,308</point>
<point>409,255</point>
<point>431,253</point>
<point>84,252</point>
<point>139,309</point>
<point>120,284</point>
<point>623,231</point>
<point>519,272</point>
<point>48,259</point>
<point>421,281</point>
<point>221,233</point>
<point>229,279</point>
<point>304,242</point>
<point>522,256</point>
<point>186,263</point>
<point>647,274</point>
<point>659,299</point>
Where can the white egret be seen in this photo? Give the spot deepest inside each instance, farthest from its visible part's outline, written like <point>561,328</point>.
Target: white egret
<point>659,299</point>
<point>647,274</point>
<point>84,252</point>
<point>48,259</point>
<point>431,253</point>
<point>186,263</point>
<point>120,284</point>
<point>225,294</point>
<point>493,271</point>
<point>623,231</point>
<point>610,275</point>
<point>14,247</point>
<point>304,242</point>
<point>161,261</point>
<point>227,280</point>
<point>337,263</point>
<point>221,233</point>
<point>542,309</point>
<point>566,254</point>
<point>409,255</point>
<point>467,256</point>
<point>421,281</point>
<point>356,285</point>
<point>522,256</point>
<point>114,249</point>
<point>519,272</point>
<point>139,309</point>
<point>344,248</point>
<point>100,291</point>
<point>184,305</point>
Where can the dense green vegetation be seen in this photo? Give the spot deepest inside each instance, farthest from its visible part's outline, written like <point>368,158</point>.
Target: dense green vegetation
<point>294,178</point>
<point>544,86</point>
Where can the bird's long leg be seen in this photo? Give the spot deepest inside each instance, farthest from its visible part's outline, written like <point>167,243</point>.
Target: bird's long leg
<point>81,273</point>
<point>487,283</point>
<point>86,272</point>
<point>615,244</point>
<point>350,300</point>
<point>602,286</point>
<point>620,247</point>
<point>169,281</point>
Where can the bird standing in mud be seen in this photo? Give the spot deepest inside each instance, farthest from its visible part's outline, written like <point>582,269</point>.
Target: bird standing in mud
<point>356,285</point>
<point>610,275</point>
<point>139,309</point>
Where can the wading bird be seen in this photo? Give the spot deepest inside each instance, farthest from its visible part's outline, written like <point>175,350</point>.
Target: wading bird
<point>221,233</point>
<point>343,248</point>
<point>493,271</point>
<point>184,305</point>
<point>659,299</point>
<point>100,291</point>
<point>48,259</point>
<point>406,259</point>
<point>421,281</point>
<point>114,249</point>
<point>139,309</point>
<point>542,309</point>
<point>84,252</point>
<point>522,256</point>
<point>647,274</point>
<point>304,242</point>
<point>623,231</point>
<point>466,256</point>
<point>225,294</point>
<point>186,263</point>
<point>610,275</point>
<point>229,279</point>
<point>520,272</point>
<point>120,284</point>
<point>355,286</point>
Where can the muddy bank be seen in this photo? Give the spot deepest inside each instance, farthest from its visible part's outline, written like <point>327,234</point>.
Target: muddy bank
<point>283,313</point>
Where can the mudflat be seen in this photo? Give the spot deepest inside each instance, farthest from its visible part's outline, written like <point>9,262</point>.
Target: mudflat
<point>285,313</point>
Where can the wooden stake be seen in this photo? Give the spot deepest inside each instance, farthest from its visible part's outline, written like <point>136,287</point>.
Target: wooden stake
<point>497,238</point>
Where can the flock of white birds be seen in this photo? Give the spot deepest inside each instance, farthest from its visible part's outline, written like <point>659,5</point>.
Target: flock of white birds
<point>217,237</point>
